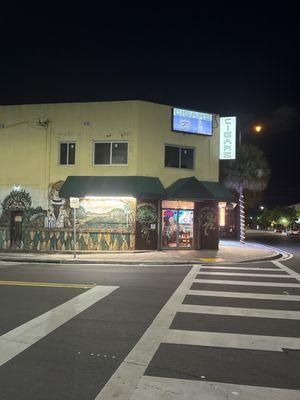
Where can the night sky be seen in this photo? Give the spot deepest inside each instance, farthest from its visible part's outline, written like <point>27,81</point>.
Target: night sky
<point>233,60</point>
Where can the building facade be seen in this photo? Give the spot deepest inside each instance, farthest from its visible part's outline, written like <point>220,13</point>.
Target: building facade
<point>141,184</point>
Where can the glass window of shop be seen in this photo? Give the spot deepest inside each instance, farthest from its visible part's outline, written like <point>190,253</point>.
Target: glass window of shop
<point>177,224</point>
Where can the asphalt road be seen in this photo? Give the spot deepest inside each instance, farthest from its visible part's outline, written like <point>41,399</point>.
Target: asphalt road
<point>76,359</point>
<point>212,332</point>
<point>290,244</point>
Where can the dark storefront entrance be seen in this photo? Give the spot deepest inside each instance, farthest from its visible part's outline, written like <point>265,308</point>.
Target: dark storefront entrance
<point>16,219</point>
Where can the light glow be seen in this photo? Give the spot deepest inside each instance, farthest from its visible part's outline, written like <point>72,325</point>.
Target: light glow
<point>258,128</point>
<point>222,213</point>
<point>284,221</point>
<point>242,218</point>
<point>109,198</point>
<point>178,205</point>
<point>194,122</point>
<point>227,138</point>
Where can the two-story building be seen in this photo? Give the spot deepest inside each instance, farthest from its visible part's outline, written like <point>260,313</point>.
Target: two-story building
<point>146,176</point>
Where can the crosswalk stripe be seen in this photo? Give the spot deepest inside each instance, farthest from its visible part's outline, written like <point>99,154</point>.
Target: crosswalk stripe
<point>125,379</point>
<point>19,339</point>
<point>283,267</point>
<point>233,340</point>
<point>157,388</point>
<point>248,274</point>
<point>263,296</point>
<point>243,312</point>
<point>212,267</point>
<point>247,283</point>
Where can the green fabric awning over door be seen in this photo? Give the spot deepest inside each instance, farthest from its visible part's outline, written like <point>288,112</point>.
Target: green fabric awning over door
<point>126,186</point>
<point>144,187</point>
<point>194,190</point>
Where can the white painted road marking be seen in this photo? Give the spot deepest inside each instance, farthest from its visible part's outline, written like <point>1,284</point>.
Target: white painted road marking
<point>248,283</point>
<point>128,382</point>
<point>262,296</point>
<point>124,381</point>
<point>241,312</point>
<point>156,388</point>
<point>19,339</point>
<point>283,267</point>
<point>238,341</point>
<point>247,274</point>
<point>240,268</point>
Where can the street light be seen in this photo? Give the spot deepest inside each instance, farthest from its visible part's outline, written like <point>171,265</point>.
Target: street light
<point>258,128</point>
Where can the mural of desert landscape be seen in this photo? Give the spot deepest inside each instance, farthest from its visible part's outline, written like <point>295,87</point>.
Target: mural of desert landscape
<point>107,212</point>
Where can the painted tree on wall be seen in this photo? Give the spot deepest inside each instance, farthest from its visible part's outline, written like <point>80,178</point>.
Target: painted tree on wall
<point>17,200</point>
<point>21,200</point>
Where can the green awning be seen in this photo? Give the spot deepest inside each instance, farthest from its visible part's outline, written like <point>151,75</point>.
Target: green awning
<point>127,186</point>
<point>219,191</point>
<point>194,190</point>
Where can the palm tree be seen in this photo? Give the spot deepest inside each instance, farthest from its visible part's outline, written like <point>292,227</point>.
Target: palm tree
<point>249,171</point>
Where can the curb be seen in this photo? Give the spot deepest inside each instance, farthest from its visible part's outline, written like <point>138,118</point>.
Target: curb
<point>140,263</point>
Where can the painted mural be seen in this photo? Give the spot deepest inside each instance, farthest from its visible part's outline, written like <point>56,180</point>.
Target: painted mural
<point>208,229</point>
<point>49,240</point>
<point>19,199</point>
<point>146,219</point>
<point>107,213</point>
<point>105,223</point>
<point>94,212</point>
<point>208,220</point>
<point>59,212</point>
<point>4,239</point>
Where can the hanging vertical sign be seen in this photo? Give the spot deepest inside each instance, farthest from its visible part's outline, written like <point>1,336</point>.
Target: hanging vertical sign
<point>227,138</point>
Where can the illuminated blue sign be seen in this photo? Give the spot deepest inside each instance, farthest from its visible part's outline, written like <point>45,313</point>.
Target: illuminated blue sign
<point>194,122</point>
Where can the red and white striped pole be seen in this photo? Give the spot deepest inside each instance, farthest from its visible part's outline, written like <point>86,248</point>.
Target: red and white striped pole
<point>242,216</point>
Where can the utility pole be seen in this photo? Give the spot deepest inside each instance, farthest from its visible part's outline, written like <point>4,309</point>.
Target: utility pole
<point>74,203</point>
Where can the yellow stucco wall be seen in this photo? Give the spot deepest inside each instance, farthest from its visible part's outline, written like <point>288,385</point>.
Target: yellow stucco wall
<point>29,153</point>
<point>154,131</point>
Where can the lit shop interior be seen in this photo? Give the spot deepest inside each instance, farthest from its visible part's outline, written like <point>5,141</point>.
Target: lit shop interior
<point>177,224</point>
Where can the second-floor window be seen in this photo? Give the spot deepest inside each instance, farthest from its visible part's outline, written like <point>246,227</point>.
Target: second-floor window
<point>179,157</point>
<point>67,153</point>
<point>106,153</point>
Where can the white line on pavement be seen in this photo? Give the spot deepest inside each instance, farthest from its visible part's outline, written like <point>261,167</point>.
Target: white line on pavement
<point>287,269</point>
<point>247,274</point>
<point>156,388</point>
<point>19,339</point>
<point>241,268</point>
<point>242,312</point>
<point>233,340</point>
<point>261,296</point>
<point>248,283</point>
<point>124,381</point>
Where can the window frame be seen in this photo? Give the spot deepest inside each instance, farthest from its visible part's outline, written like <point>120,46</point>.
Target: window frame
<point>180,147</point>
<point>68,142</point>
<point>111,142</point>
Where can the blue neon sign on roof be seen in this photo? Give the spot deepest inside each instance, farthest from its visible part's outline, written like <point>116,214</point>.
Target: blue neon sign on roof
<point>193,122</point>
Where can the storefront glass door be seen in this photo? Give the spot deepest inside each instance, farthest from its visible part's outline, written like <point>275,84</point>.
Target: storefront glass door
<point>177,228</point>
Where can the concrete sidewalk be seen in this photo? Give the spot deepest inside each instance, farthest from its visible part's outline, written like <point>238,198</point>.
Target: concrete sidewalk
<point>229,251</point>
